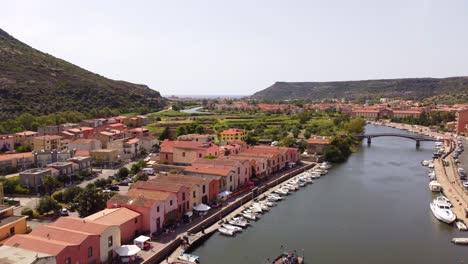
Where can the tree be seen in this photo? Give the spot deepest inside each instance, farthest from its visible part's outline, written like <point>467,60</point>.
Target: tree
<point>355,126</point>
<point>165,134</point>
<point>123,173</point>
<point>135,169</point>
<point>102,183</point>
<point>70,193</point>
<point>63,179</point>
<point>307,134</point>
<point>50,184</point>
<point>141,177</point>
<point>90,201</point>
<point>47,204</point>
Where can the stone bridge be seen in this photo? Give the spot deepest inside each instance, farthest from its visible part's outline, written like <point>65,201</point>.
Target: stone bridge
<point>415,137</point>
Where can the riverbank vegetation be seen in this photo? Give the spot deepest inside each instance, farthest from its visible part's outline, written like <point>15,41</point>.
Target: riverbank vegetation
<point>430,119</point>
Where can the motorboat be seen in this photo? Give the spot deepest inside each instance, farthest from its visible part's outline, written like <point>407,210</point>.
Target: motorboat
<point>321,171</point>
<point>189,258</point>
<point>314,175</point>
<point>274,198</point>
<point>281,191</point>
<point>431,165</point>
<point>325,166</point>
<point>292,186</point>
<point>306,179</point>
<point>288,187</point>
<point>249,216</point>
<point>460,240</point>
<point>268,203</point>
<point>262,207</point>
<point>460,225</point>
<point>232,227</point>
<point>239,221</point>
<point>435,186</point>
<point>443,199</point>
<point>432,174</point>
<point>225,231</point>
<point>442,211</point>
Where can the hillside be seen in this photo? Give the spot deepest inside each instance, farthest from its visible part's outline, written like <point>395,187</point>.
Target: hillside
<point>453,90</point>
<point>34,82</point>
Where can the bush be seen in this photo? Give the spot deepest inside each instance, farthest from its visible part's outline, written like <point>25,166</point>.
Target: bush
<point>141,177</point>
<point>47,204</point>
<point>58,196</point>
<point>70,193</point>
<point>28,211</point>
<point>123,173</point>
<point>21,190</point>
<point>36,215</point>
<point>102,183</point>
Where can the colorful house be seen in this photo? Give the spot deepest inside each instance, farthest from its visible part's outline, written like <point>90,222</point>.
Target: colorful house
<point>11,224</point>
<point>233,134</point>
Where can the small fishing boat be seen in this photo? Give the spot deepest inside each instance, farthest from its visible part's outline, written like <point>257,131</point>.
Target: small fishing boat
<point>239,221</point>
<point>262,207</point>
<point>325,166</point>
<point>435,186</point>
<point>232,227</point>
<point>431,165</point>
<point>460,240</point>
<point>442,211</point>
<point>289,258</point>
<point>321,171</point>
<point>314,175</point>
<point>274,198</point>
<point>443,199</point>
<point>225,231</point>
<point>307,179</point>
<point>461,226</point>
<point>268,203</point>
<point>249,216</point>
<point>189,258</point>
<point>281,191</point>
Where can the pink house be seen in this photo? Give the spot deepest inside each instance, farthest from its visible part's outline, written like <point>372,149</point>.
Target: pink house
<point>240,167</point>
<point>128,221</point>
<point>183,152</point>
<point>258,165</point>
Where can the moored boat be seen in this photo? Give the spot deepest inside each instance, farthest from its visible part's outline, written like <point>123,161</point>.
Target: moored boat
<point>460,240</point>
<point>189,258</point>
<point>435,186</point>
<point>461,226</point>
<point>239,221</point>
<point>225,231</point>
<point>232,227</point>
<point>442,211</point>
<point>249,216</point>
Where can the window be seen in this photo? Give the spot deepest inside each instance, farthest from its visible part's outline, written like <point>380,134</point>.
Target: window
<point>170,202</point>
<point>238,170</point>
<point>90,252</point>
<point>194,194</point>
<point>230,178</point>
<point>136,220</point>
<point>12,230</point>
<point>110,241</point>
<point>183,197</point>
<point>183,154</point>
<point>157,209</point>
<point>167,156</point>
<point>204,189</point>
<point>68,260</point>
<point>199,155</point>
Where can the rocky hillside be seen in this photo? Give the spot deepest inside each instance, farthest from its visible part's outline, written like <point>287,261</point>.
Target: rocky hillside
<point>447,90</point>
<point>38,83</point>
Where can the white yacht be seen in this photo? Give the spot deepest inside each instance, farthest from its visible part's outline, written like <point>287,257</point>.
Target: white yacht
<point>249,216</point>
<point>435,186</point>
<point>425,162</point>
<point>442,211</point>
<point>444,199</point>
<point>232,227</point>
<point>239,221</point>
<point>225,231</point>
<point>189,258</point>
<point>461,226</point>
<point>281,191</point>
<point>325,166</point>
<point>274,197</point>
<point>431,165</point>
<point>314,175</point>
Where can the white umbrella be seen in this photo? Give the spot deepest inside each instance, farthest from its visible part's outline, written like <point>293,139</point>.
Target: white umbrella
<point>201,208</point>
<point>127,250</point>
<point>224,194</point>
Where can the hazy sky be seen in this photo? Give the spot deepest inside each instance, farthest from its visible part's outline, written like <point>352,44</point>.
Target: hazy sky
<point>239,47</point>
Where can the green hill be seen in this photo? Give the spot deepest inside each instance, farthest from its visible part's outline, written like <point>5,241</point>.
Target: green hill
<point>446,90</point>
<point>38,83</point>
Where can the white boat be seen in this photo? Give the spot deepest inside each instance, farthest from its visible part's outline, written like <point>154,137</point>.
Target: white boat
<point>432,174</point>
<point>321,171</point>
<point>288,188</point>
<point>425,162</point>
<point>189,258</point>
<point>262,207</point>
<point>461,226</point>
<point>249,216</point>
<point>314,175</point>
<point>281,191</point>
<point>225,231</point>
<point>443,199</point>
<point>307,179</point>
<point>254,209</point>
<point>431,165</point>
<point>435,186</point>
<point>232,227</point>
<point>325,166</point>
<point>460,240</point>
<point>442,211</point>
<point>268,203</point>
<point>239,221</point>
<point>274,198</point>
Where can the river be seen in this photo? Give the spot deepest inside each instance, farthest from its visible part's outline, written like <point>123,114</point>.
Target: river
<point>195,110</point>
<point>374,208</point>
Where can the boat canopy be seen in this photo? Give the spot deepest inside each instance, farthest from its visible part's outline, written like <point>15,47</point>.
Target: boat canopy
<point>224,194</point>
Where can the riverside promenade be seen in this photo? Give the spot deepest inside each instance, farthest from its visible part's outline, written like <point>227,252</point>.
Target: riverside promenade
<point>167,248</point>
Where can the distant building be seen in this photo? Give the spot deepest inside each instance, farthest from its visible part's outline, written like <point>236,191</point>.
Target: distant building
<point>32,178</point>
<point>196,137</point>
<point>25,138</point>
<point>233,134</point>
<point>48,142</point>
<point>105,156</point>
<point>7,142</point>
<point>462,121</point>
<point>317,144</point>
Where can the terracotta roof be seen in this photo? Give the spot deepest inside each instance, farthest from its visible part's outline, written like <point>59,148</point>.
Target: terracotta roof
<point>192,144</point>
<point>39,244</point>
<point>114,216</point>
<point>138,129</point>
<point>158,186</point>
<point>232,131</point>
<point>61,234</point>
<point>79,224</point>
<point>224,161</point>
<point>16,156</point>
<point>211,171</point>
<point>133,141</point>
<point>319,140</point>
<point>26,133</point>
<point>406,112</point>
<point>82,153</point>
<point>149,194</point>
<point>167,146</point>
<point>119,199</point>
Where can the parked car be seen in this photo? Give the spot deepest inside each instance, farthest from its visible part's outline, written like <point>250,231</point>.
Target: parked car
<point>63,212</point>
<point>123,183</point>
<point>114,188</point>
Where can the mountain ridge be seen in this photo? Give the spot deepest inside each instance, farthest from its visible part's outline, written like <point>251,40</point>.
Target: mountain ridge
<point>38,83</point>
<point>429,89</point>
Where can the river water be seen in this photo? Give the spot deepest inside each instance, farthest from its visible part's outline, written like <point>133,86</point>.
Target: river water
<point>372,209</point>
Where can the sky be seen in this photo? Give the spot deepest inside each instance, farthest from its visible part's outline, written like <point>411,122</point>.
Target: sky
<point>203,47</point>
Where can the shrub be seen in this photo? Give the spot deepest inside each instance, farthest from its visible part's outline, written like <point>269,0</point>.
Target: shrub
<point>47,204</point>
<point>27,211</point>
<point>58,196</point>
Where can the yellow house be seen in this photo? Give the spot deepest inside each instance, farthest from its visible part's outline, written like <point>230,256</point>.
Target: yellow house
<point>11,224</point>
<point>47,143</point>
<point>105,155</point>
<point>233,134</point>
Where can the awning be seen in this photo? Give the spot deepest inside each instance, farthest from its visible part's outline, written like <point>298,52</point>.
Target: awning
<point>127,250</point>
<point>201,208</point>
<point>141,239</point>
<point>224,194</point>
